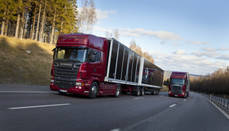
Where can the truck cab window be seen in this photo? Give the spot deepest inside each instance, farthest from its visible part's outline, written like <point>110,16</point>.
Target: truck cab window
<point>94,55</point>
<point>76,54</point>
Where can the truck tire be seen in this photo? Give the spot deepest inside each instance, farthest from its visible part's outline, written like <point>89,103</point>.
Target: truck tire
<point>93,90</point>
<point>138,92</point>
<point>117,93</point>
<point>156,92</point>
<point>153,92</point>
<point>142,91</point>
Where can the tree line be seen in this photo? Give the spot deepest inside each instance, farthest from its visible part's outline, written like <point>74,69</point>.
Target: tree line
<point>216,83</point>
<point>41,20</point>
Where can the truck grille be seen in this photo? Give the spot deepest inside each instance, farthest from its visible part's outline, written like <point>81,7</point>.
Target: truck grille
<point>65,77</point>
<point>176,90</point>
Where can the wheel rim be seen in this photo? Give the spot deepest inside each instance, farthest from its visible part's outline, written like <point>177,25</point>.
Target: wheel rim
<point>138,92</point>
<point>117,91</point>
<point>93,90</point>
<point>143,91</point>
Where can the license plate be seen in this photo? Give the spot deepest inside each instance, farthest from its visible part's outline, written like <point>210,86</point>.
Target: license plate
<point>64,91</point>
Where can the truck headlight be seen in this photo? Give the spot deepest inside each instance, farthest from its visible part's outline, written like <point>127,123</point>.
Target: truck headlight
<point>78,83</point>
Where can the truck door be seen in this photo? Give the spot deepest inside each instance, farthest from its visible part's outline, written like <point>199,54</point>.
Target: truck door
<point>96,67</point>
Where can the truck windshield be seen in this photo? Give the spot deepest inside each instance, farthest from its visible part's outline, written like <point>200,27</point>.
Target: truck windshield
<point>177,81</point>
<point>75,54</point>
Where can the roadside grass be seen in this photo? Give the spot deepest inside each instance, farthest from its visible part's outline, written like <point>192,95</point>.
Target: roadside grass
<point>164,89</point>
<point>24,61</point>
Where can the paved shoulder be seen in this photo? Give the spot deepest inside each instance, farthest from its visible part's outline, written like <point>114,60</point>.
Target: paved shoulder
<point>196,114</point>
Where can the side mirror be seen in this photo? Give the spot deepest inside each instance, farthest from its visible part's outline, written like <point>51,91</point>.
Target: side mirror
<point>54,50</point>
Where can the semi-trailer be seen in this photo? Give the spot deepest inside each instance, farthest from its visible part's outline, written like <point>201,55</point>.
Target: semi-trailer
<point>88,65</point>
<point>179,84</point>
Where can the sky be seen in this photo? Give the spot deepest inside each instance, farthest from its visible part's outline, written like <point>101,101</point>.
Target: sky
<point>181,35</point>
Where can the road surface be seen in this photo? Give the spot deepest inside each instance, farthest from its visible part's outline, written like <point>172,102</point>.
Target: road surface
<point>35,108</point>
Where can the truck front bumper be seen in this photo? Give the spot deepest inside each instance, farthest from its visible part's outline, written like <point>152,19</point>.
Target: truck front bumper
<point>73,90</point>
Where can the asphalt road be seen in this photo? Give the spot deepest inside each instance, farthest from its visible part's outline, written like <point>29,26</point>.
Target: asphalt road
<point>35,108</point>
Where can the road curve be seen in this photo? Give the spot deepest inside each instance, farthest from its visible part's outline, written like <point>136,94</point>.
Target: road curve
<point>25,108</point>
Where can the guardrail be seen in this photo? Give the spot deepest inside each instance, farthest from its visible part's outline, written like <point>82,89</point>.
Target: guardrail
<point>223,103</point>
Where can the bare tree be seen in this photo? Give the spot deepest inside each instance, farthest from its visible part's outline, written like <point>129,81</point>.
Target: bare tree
<point>116,34</point>
<point>87,16</point>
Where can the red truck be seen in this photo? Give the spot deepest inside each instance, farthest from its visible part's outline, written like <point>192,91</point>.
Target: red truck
<point>88,65</point>
<point>179,84</point>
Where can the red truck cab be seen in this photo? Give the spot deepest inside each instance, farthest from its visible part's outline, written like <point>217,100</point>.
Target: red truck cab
<point>79,65</point>
<point>179,84</point>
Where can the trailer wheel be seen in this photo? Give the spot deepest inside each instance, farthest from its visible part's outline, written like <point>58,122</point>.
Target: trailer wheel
<point>93,90</point>
<point>153,92</point>
<point>158,91</point>
<point>138,92</point>
<point>142,91</point>
<point>117,93</point>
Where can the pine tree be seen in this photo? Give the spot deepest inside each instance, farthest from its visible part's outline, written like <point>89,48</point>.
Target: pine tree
<point>41,20</point>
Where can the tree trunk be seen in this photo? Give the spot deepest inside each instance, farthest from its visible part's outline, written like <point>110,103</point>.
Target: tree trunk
<point>3,28</point>
<point>33,26</point>
<point>38,22</point>
<point>22,25</point>
<point>42,25</point>
<point>3,25</point>
<point>18,23</point>
<point>25,27</point>
<point>6,28</point>
<point>53,28</point>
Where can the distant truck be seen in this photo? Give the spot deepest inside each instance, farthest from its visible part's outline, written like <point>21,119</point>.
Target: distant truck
<point>88,65</point>
<point>179,84</point>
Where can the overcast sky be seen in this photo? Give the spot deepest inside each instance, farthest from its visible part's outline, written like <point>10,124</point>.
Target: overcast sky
<point>181,35</point>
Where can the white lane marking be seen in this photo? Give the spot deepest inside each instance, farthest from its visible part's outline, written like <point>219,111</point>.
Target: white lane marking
<point>116,129</point>
<point>138,98</point>
<point>184,99</point>
<point>29,92</point>
<point>38,106</point>
<point>222,111</point>
<point>172,105</point>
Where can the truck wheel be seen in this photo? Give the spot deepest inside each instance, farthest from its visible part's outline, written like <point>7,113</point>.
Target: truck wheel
<point>138,92</point>
<point>93,90</point>
<point>142,91</point>
<point>153,92</point>
<point>156,92</point>
<point>117,93</point>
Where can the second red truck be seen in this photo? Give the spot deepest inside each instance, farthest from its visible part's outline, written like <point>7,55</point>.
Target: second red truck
<point>179,84</point>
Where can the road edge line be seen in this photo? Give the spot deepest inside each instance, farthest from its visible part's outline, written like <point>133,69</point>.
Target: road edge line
<point>173,105</point>
<point>27,92</point>
<point>38,106</point>
<point>222,111</point>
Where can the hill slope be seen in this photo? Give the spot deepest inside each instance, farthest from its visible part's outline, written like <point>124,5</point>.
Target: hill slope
<point>24,61</point>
